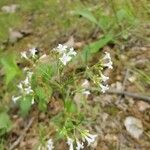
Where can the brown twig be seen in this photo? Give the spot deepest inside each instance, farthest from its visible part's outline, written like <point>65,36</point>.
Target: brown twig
<point>21,137</point>
<point>133,95</point>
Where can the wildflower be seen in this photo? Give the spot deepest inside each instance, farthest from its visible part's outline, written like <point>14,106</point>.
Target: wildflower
<point>61,48</point>
<point>32,101</point>
<point>104,88</point>
<point>26,81</point>
<point>50,144</point>
<point>89,137</point>
<point>29,74</point>
<point>107,56</point>
<point>28,90</point>
<point>104,78</point>
<point>14,99</point>
<point>24,55</point>
<point>70,143</point>
<point>33,52</point>
<point>20,86</point>
<point>71,52</point>
<point>108,59</point>
<point>79,145</point>
<point>65,58</point>
<point>108,64</point>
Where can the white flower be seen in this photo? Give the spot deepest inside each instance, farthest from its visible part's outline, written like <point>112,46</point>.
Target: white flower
<point>70,143</point>
<point>79,145</point>
<point>104,88</point>
<point>107,56</point>
<point>71,52</point>
<point>104,78</point>
<point>50,144</point>
<point>32,101</point>
<point>28,90</point>
<point>24,55</point>
<point>14,99</point>
<point>89,138</point>
<point>65,58</point>
<point>29,74</point>
<point>26,81</point>
<point>33,52</point>
<point>61,48</point>
<point>20,86</point>
<point>108,64</point>
<point>108,59</point>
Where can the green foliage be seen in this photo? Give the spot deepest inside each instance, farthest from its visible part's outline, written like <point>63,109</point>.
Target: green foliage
<point>45,71</point>
<point>25,105</point>
<point>5,123</point>
<point>43,95</point>
<point>87,14</point>
<point>10,67</point>
<point>70,107</point>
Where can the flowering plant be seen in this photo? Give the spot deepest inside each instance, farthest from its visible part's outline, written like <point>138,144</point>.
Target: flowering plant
<point>47,77</point>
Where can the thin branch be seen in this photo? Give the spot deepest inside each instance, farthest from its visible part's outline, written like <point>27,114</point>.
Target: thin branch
<point>21,137</point>
<point>133,95</point>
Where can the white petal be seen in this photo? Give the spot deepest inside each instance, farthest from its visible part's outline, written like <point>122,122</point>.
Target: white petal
<point>79,146</point>
<point>65,58</point>
<point>14,99</point>
<point>24,55</point>
<point>104,88</point>
<point>107,56</point>
<point>104,78</point>
<point>33,52</point>
<point>50,144</point>
<point>70,143</point>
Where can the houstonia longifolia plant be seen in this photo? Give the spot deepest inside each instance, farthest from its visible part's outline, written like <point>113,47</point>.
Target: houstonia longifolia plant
<point>47,77</point>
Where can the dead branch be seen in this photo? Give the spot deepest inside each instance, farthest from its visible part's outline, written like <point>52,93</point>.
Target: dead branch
<point>21,137</point>
<point>133,95</point>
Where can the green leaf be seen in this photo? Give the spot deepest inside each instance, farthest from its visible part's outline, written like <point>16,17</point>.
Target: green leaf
<point>70,106</point>
<point>43,94</point>
<point>25,105</point>
<point>95,46</point>
<point>10,67</point>
<point>45,71</point>
<point>105,23</point>
<point>87,14</point>
<point>5,123</point>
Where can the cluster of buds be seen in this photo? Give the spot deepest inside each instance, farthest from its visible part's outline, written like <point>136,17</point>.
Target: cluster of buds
<point>86,137</point>
<point>25,87</point>
<point>65,52</point>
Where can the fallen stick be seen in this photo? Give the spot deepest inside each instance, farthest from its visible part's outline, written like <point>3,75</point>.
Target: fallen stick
<point>133,95</point>
<point>21,137</point>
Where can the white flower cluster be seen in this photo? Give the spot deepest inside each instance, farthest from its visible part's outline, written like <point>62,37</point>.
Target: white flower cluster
<point>25,87</point>
<point>86,137</point>
<point>65,52</point>
<point>32,53</point>
<point>49,146</point>
<point>106,63</point>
